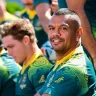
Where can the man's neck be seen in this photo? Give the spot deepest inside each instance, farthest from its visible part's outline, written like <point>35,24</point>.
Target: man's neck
<point>62,54</point>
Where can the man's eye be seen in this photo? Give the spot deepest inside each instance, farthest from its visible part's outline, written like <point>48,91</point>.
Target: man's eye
<point>63,28</point>
<point>5,48</point>
<point>51,28</point>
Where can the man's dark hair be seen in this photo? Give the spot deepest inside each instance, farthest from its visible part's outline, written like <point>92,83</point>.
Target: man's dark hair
<point>65,11</point>
<point>72,14</point>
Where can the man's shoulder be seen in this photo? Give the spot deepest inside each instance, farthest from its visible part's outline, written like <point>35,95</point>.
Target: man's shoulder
<point>41,65</point>
<point>41,61</point>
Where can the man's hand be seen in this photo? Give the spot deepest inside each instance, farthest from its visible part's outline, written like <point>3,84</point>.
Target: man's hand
<point>37,94</point>
<point>54,6</point>
<point>45,95</point>
<point>42,95</point>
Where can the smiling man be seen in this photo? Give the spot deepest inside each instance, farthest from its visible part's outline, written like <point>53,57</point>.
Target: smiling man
<point>73,74</point>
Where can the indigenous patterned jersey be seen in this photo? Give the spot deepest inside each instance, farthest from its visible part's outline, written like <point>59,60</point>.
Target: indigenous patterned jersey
<point>33,75</point>
<point>7,85</point>
<point>72,76</point>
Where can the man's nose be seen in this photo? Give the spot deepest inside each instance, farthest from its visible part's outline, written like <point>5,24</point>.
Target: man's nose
<point>56,32</point>
<point>10,52</point>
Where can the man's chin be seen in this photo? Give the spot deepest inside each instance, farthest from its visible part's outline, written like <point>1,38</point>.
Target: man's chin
<point>18,62</point>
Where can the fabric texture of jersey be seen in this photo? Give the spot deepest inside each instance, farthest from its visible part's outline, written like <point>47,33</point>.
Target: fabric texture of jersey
<point>7,85</point>
<point>72,76</point>
<point>33,75</point>
<point>10,63</point>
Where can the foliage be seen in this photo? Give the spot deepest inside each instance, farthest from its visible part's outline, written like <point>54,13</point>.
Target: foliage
<point>12,7</point>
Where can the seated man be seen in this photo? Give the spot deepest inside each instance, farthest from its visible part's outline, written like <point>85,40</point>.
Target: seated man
<point>73,74</point>
<point>19,39</point>
<point>7,85</point>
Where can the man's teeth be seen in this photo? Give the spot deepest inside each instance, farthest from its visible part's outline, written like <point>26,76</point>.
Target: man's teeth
<point>55,41</point>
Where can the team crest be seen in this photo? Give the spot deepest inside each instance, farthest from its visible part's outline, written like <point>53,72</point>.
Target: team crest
<point>22,86</point>
<point>42,79</point>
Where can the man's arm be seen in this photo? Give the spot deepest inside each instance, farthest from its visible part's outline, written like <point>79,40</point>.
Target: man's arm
<point>44,9</point>
<point>88,42</point>
<point>44,13</point>
<point>54,6</point>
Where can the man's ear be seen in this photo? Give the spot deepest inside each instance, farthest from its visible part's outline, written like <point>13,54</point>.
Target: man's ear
<point>26,40</point>
<point>79,33</point>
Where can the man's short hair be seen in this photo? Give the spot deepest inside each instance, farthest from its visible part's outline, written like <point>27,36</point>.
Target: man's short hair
<point>18,29</point>
<point>74,16</point>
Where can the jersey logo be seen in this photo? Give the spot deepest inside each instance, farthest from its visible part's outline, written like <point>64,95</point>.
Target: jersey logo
<point>59,80</point>
<point>22,86</point>
<point>42,79</point>
<point>50,80</point>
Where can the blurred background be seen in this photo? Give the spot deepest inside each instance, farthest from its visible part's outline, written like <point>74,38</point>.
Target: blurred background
<point>13,6</point>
